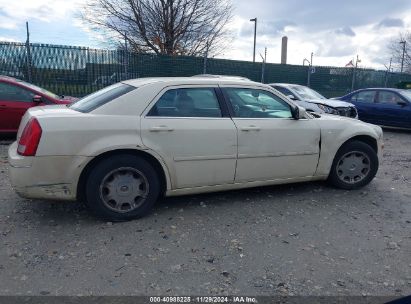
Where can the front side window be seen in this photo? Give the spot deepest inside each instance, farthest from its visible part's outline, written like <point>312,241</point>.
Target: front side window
<point>101,97</point>
<point>406,94</point>
<point>254,103</point>
<point>187,102</point>
<point>364,96</point>
<point>36,88</point>
<point>388,97</point>
<point>9,92</point>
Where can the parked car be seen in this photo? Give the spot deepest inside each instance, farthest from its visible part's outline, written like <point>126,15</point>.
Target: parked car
<point>16,96</point>
<point>382,106</point>
<point>122,147</point>
<point>313,101</point>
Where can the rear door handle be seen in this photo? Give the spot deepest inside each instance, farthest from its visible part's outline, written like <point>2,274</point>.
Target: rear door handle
<point>161,129</point>
<point>250,128</point>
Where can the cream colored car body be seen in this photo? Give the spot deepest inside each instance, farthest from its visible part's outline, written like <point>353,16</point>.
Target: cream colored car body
<point>194,154</point>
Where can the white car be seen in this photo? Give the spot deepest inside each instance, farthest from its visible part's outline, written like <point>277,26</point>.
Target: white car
<point>122,147</point>
<point>313,101</point>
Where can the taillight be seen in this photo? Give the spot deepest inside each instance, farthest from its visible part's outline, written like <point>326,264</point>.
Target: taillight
<point>30,138</point>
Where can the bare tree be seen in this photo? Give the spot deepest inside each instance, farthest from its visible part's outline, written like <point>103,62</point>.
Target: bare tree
<point>172,27</point>
<point>398,52</point>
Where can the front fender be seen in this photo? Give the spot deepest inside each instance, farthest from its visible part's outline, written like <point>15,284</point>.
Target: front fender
<point>336,132</point>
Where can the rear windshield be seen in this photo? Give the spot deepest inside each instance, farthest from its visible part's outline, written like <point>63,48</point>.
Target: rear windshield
<point>99,98</point>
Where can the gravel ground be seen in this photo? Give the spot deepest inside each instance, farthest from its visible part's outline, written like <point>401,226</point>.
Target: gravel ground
<point>301,239</point>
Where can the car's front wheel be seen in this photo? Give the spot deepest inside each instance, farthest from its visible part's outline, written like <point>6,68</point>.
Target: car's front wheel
<point>122,187</point>
<point>354,166</point>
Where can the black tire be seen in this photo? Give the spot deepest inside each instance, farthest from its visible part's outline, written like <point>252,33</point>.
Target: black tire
<point>336,176</point>
<point>97,179</point>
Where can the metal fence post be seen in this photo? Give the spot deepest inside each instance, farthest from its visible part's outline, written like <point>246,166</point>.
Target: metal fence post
<point>125,58</point>
<point>205,59</point>
<point>28,59</point>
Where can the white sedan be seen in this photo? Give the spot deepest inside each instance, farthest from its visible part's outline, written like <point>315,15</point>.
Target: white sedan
<point>122,147</point>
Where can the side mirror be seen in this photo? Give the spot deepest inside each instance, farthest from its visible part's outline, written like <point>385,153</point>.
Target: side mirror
<point>298,112</point>
<point>402,103</point>
<point>292,97</point>
<point>37,98</point>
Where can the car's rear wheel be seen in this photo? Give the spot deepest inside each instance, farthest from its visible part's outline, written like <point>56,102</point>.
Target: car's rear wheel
<point>122,187</point>
<point>354,166</point>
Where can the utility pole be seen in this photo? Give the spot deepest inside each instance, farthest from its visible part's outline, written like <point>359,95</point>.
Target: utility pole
<point>255,35</point>
<point>403,42</point>
<point>354,72</point>
<point>28,59</point>
<point>263,67</point>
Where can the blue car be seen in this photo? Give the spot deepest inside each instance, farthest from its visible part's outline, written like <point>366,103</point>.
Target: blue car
<point>382,106</point>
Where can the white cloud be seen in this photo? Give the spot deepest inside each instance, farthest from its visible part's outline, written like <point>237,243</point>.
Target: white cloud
<point>13,13</point>
<point>8,39</point>
<point>334,46</point>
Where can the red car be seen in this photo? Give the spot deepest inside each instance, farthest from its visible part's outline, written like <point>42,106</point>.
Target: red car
<point>16,96</point>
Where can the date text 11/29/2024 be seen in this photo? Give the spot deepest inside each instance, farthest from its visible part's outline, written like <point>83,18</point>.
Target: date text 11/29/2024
<point>206,299</point>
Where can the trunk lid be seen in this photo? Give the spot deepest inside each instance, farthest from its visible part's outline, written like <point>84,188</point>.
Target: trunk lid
<point>45,111</point>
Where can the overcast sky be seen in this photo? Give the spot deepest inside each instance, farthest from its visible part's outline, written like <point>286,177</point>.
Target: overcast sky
<point>335,31</point>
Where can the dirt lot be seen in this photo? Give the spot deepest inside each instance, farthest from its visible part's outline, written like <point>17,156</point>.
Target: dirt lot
<point>302,239</point>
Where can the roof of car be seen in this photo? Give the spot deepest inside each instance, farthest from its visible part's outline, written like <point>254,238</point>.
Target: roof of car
<point>8,78</point>
<point>285,84</point>
<point>189,80</point>
<point>388,89</point>
<point>221,76</point>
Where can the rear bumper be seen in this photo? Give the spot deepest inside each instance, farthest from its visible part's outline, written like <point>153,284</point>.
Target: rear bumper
<point>46,177</point>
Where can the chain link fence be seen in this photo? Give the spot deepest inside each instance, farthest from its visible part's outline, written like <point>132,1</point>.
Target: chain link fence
<point>78,71</point>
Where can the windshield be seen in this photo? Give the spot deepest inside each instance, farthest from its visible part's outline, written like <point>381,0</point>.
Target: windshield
<point>406,94</point>
<point>101,97</point>
<point>307,93</point>
<point>41,90</point>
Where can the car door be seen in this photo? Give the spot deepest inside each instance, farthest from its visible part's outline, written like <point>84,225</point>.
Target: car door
<point>365,104</point>
<point>14,102</point>
<point>391,109</point>
<point>271,144</point>
<point>190,130</point>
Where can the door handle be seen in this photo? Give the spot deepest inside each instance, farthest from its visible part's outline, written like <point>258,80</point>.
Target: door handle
<point>161,129</point>
<point>250,128</point>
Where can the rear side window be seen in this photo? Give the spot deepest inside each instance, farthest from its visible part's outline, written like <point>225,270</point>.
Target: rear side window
<point>364,96</point>
<point>196,102</point>
<point>99,98</point>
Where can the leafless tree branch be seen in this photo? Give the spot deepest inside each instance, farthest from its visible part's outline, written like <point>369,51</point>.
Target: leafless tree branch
<point>395,48</point>
<point>172,27</point>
